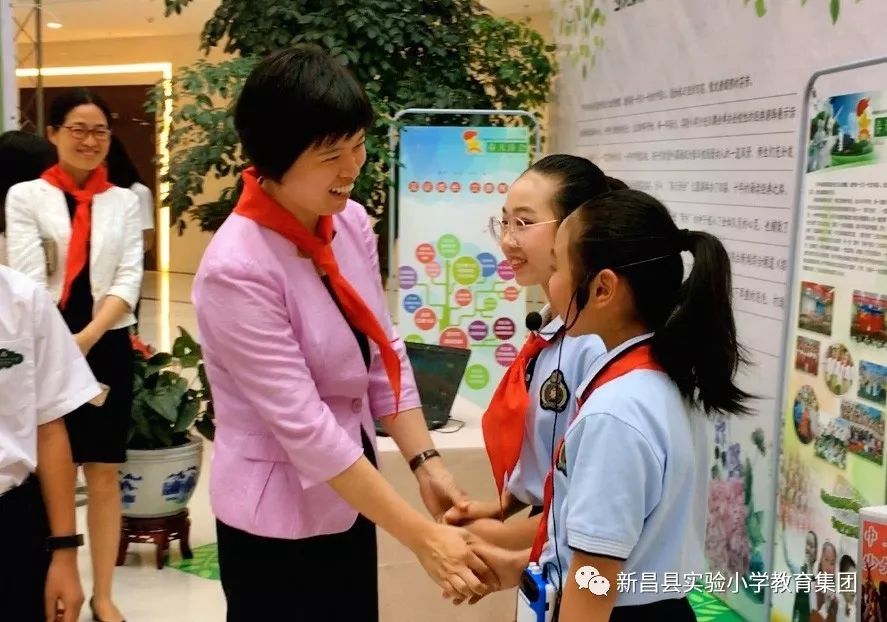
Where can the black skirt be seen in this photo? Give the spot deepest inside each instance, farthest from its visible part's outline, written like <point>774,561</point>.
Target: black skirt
<point>99,434</point>
<point>333,578</point>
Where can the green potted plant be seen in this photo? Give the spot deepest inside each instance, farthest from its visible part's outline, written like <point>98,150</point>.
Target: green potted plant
<point>171,398</point>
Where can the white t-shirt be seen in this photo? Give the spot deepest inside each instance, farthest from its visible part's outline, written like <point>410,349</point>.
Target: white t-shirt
<point>146,205</point>
<point>43,375</point>
<point>541,424</point>
<point>631,482</point>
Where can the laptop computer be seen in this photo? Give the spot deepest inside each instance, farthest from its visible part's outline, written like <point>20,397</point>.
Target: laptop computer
<point>438,371</point>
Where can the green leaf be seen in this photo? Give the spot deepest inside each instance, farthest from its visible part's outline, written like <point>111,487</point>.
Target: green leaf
<point>166,396</point>
<point>157,363</point>
<point>760,8</point>
<point>187,350</point>
<point>187,414</point>
<point>835,10</point>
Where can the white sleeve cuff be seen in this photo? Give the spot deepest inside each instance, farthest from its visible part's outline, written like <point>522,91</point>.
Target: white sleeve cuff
<point>598,546</point>
<point>69,404</point>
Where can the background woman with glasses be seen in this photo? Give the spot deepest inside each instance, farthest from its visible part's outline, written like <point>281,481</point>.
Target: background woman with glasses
<point>81,237</point>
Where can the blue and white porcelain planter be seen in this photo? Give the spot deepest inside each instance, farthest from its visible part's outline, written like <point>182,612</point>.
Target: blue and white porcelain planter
<point>160,482</point>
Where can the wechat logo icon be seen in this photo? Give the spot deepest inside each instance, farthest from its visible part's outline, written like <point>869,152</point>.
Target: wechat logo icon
<point>588,578</point>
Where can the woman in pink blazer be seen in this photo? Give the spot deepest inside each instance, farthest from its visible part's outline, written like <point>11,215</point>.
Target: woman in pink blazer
<point>302,358</point>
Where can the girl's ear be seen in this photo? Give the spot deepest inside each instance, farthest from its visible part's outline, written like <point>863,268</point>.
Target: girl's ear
<point>604,286</point>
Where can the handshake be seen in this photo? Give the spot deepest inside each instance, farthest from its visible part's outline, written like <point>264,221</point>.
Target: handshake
<point>457,554</point>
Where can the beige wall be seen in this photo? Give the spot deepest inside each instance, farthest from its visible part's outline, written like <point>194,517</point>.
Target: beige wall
<point>185,250</point>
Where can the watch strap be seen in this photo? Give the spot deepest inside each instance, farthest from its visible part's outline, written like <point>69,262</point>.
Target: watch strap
<point>54,543</point>
<point>422,458</point>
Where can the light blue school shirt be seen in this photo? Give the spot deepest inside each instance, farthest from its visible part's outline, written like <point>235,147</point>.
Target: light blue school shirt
<point>634,484</point>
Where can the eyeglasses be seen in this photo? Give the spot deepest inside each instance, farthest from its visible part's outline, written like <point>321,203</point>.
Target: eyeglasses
<point>80,132</point>
<point>515,226</point>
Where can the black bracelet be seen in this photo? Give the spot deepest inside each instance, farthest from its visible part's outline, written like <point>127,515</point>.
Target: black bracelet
<point>422,458</point>
<point>55,543</point>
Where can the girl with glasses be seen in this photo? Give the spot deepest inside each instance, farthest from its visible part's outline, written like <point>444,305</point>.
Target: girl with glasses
<point>527,415</point>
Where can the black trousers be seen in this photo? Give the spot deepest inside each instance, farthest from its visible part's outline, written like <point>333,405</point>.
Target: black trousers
<point>24,528</point>
<point>331,578</point>
<point>672,610</point>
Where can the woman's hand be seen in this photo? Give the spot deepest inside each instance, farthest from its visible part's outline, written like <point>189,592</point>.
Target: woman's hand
<point>439,490</point>
<point>508,566</point>
<point>444,553</point>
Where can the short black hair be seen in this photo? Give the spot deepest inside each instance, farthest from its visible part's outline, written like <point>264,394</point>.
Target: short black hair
<point>66,101</point>
<point>846,564</point>
<point>121,170</point>
<point>23,157</point>
<point>294,99</point>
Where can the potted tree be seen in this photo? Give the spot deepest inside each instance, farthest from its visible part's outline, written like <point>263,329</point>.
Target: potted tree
<point>171,399</point>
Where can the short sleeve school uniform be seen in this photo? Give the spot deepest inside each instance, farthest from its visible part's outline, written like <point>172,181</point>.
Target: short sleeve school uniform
<point>628,483</point>
<point>43,376</point>
<point>543,426</point>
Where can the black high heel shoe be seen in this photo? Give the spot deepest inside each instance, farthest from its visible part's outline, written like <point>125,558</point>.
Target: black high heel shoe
<point>95,616</point>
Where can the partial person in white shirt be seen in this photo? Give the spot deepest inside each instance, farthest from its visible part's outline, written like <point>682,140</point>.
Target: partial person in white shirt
<point>520,436</point>
<point>80,236</point>
<point>23,157</point>
<point>122,172</point>
<point>43,377</point>
<point>629,481</point>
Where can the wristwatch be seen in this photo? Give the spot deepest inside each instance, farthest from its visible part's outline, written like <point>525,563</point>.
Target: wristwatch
<point>422,458</point>
<point>55,543</point>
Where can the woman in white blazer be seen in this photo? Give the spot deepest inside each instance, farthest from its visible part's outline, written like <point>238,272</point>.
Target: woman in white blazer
<point>81,237</point>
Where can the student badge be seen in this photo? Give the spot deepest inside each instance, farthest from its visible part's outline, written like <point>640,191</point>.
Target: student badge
<point>8,359</point>
<point>554,394</point>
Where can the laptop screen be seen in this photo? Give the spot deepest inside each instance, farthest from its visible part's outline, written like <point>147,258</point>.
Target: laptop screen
<point>438,371</point>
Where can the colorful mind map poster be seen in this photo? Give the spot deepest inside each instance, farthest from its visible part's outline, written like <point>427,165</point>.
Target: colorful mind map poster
<point>454,286</point>
<point>836,377</point>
